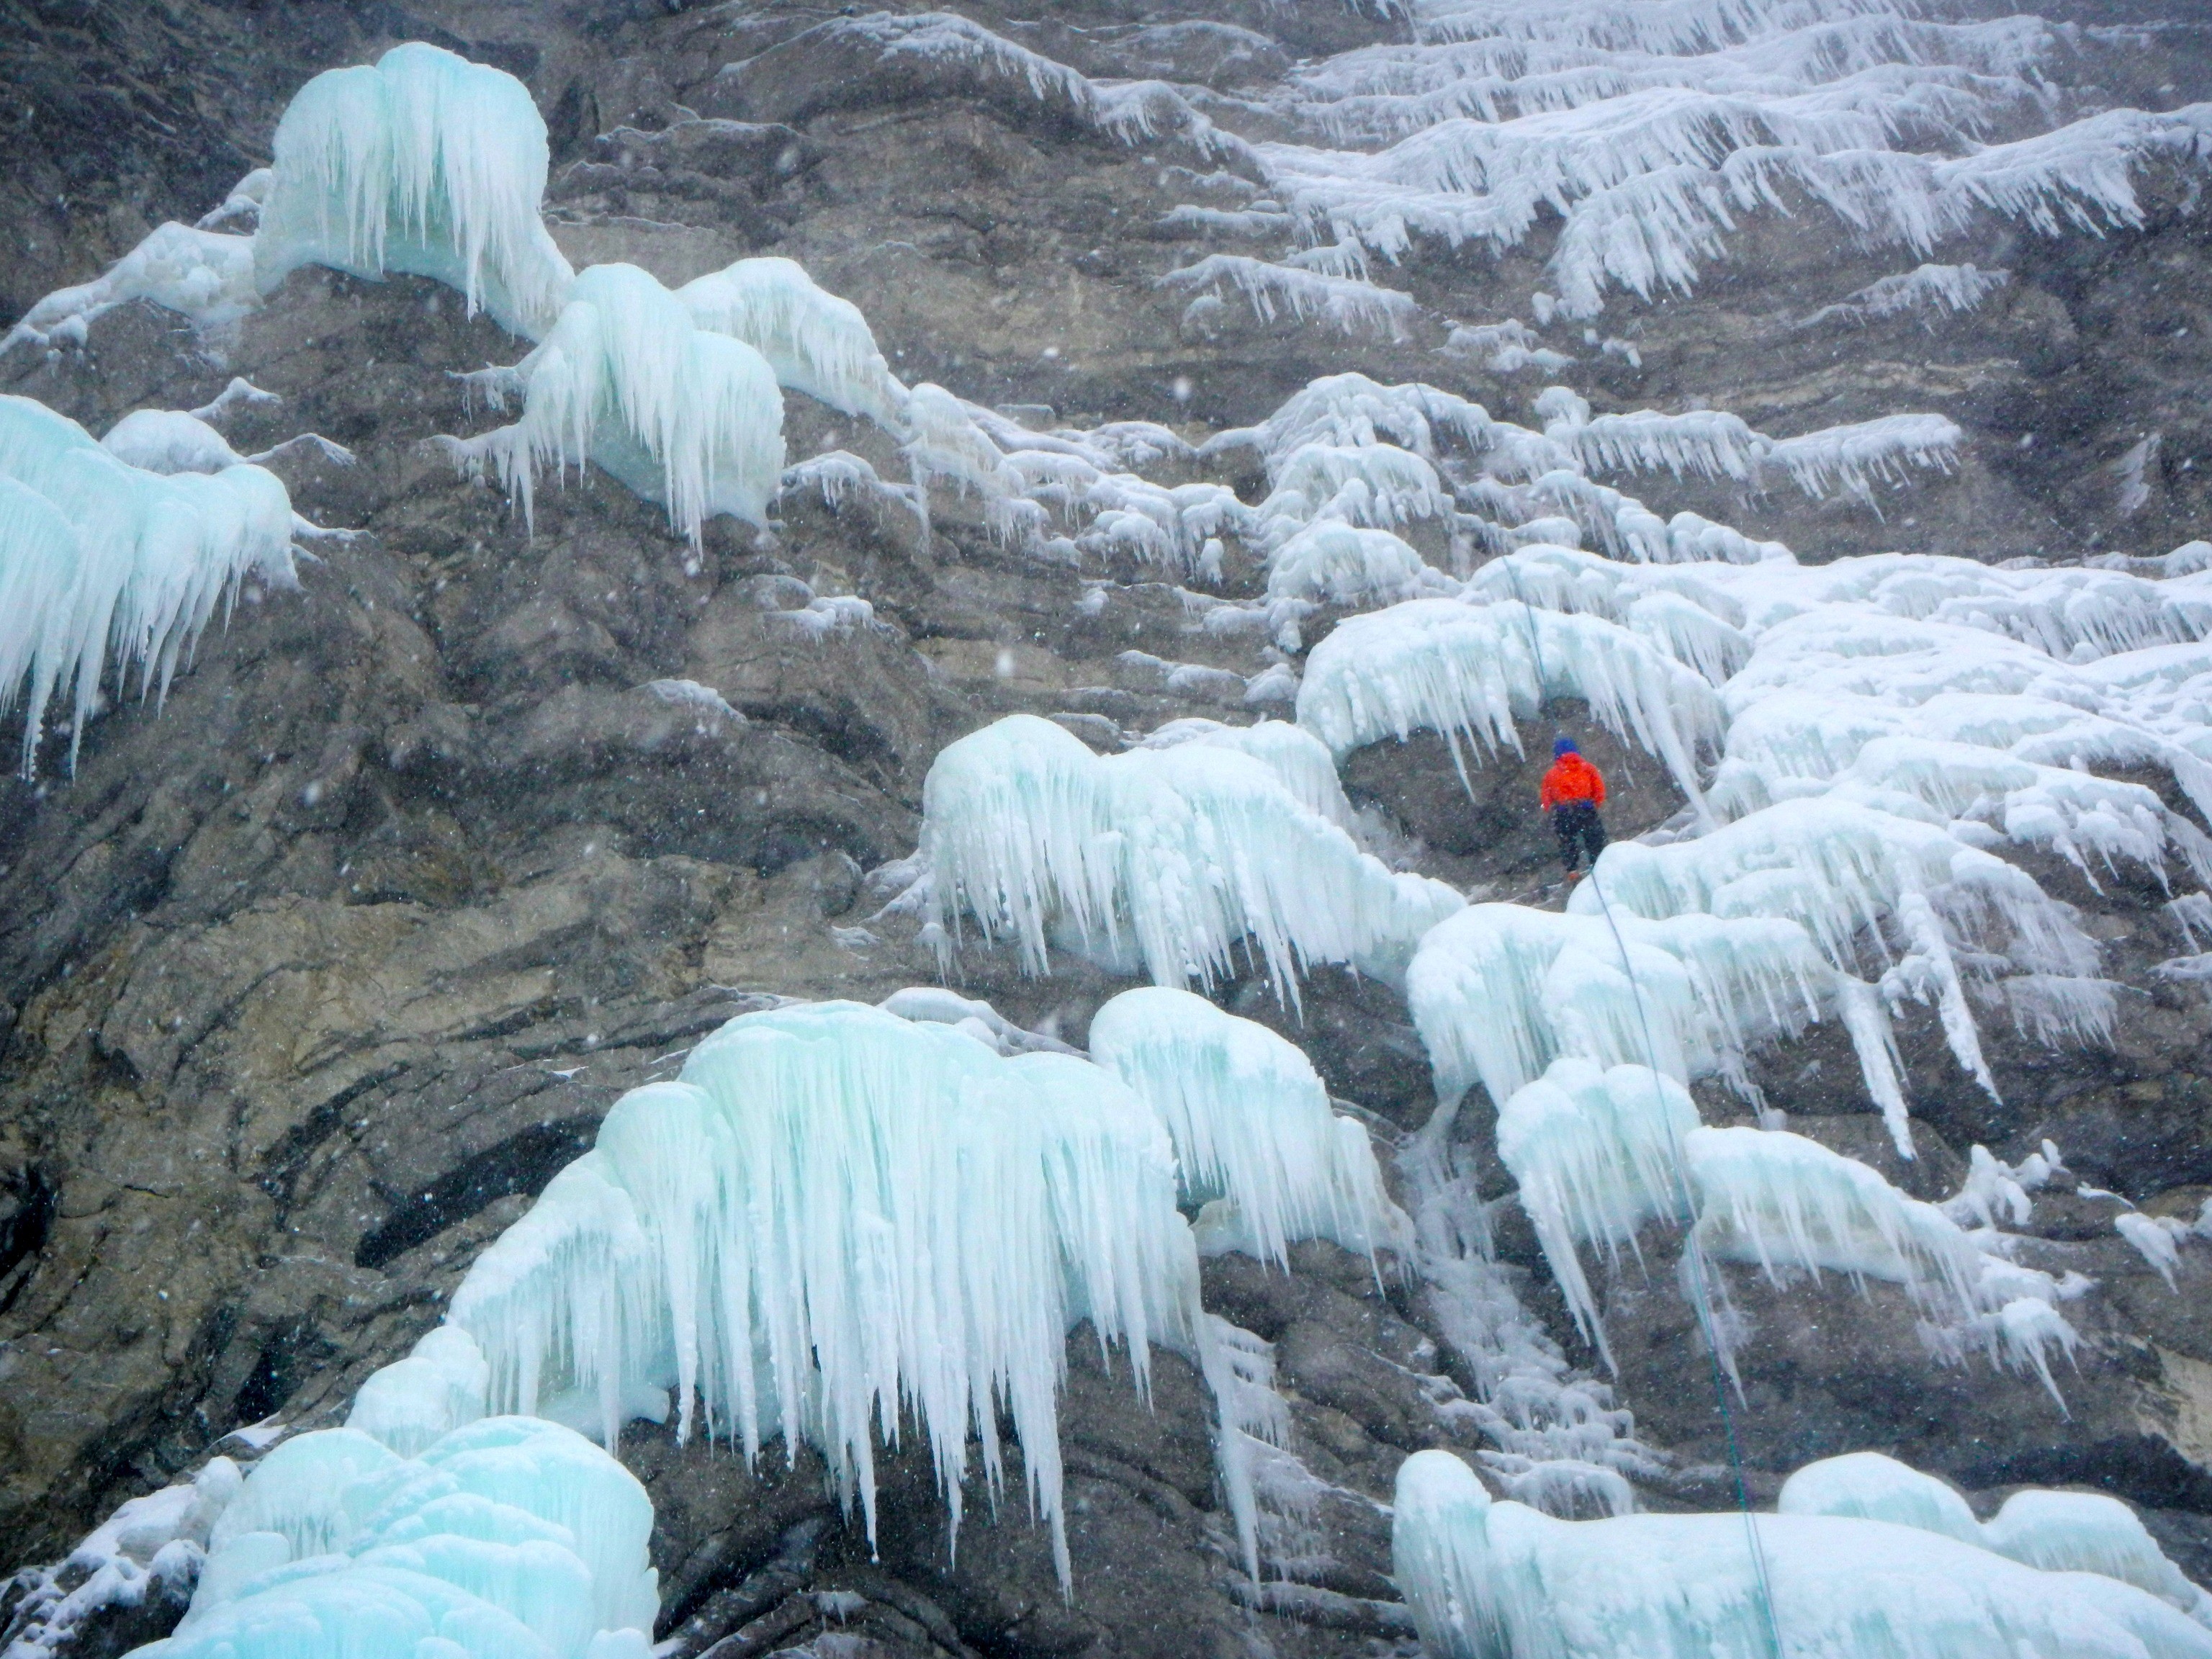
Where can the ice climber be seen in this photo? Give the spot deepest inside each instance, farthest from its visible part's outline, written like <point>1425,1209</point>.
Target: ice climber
<point>1573,790</point>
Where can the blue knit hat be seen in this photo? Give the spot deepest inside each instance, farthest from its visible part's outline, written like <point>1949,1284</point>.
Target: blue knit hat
<point>1563,747</point>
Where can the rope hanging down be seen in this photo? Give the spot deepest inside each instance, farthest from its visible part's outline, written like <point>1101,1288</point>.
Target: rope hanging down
<point>1685,1211</point>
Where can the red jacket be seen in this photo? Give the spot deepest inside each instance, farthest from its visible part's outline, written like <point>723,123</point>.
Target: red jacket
<point>1571,778</point>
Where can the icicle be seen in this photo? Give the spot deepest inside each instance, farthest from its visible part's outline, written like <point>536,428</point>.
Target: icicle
<point>682,416</point>
<point>1172,861</point>
<point>1595,1153</point>
<point>102,561</point>
<point>1471,671</point>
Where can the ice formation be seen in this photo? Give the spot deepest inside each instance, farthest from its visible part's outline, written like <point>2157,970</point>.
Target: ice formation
<point>1650,145</point>
<point>104,564</point>
<point>1344,564</point>
<point>1712,444</point>
<point>681,415</point>
<point>1174,861</point>
<point>424,163</point>
<point>1845,873</point>
<point>836,1216</point>
<point>1499,993</point>
<point>1487,1580</point>
<point>1301,761</point>
<point>2056,1531</point>
<point>506,1538</point>
<point>181,440</point>
<point>1597,1153</point>
<point>817,342</point>
<point>1473,671</point>
<point>1888,721</point>
<point>1350,303</point>
<point>1252,1124</point>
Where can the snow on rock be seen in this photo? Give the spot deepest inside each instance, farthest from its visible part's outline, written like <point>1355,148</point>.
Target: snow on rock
<point>1351,304</point>
<point>835,1215</point>
<point>2056,1531</point>
<point>1173,862</point>
<point>504,1537</point>
<point>1924,288</point>
<point>1339,563</point>
<point>203,275</point>
<point>1489,1579</point>
<point>624,378</point>
<point>423,163</point>
<point>152,1547</point>
<point>1257,1142</point>
<point>107,564</point>
<point>178,440</point>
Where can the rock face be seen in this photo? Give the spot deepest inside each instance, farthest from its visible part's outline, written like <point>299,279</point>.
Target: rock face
<point>313,976</point>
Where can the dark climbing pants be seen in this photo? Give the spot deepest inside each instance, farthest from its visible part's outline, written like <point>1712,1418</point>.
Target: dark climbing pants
<point>1575,823</point>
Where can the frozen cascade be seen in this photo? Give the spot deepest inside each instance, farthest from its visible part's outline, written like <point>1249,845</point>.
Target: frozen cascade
<point>1472,671</point>
<point>506,1538</point>
<point>104,563</point>
<point>1169,861</point>
<point>680,413</point>
<point>425,163</point>
<point>1490,1580</point>
<point>1651,159</point>
<point>1251,1124</point>
<point>2056,1531</point>
<point>1598,1154</point>
<point>1849,876</point>
<point>837,1216</point>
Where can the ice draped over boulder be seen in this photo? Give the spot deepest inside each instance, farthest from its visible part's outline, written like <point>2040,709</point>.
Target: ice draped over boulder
<point>1497,1580</point>
<point>624,378</point>
<point>2057,1531</point>
<point>423,163</point>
